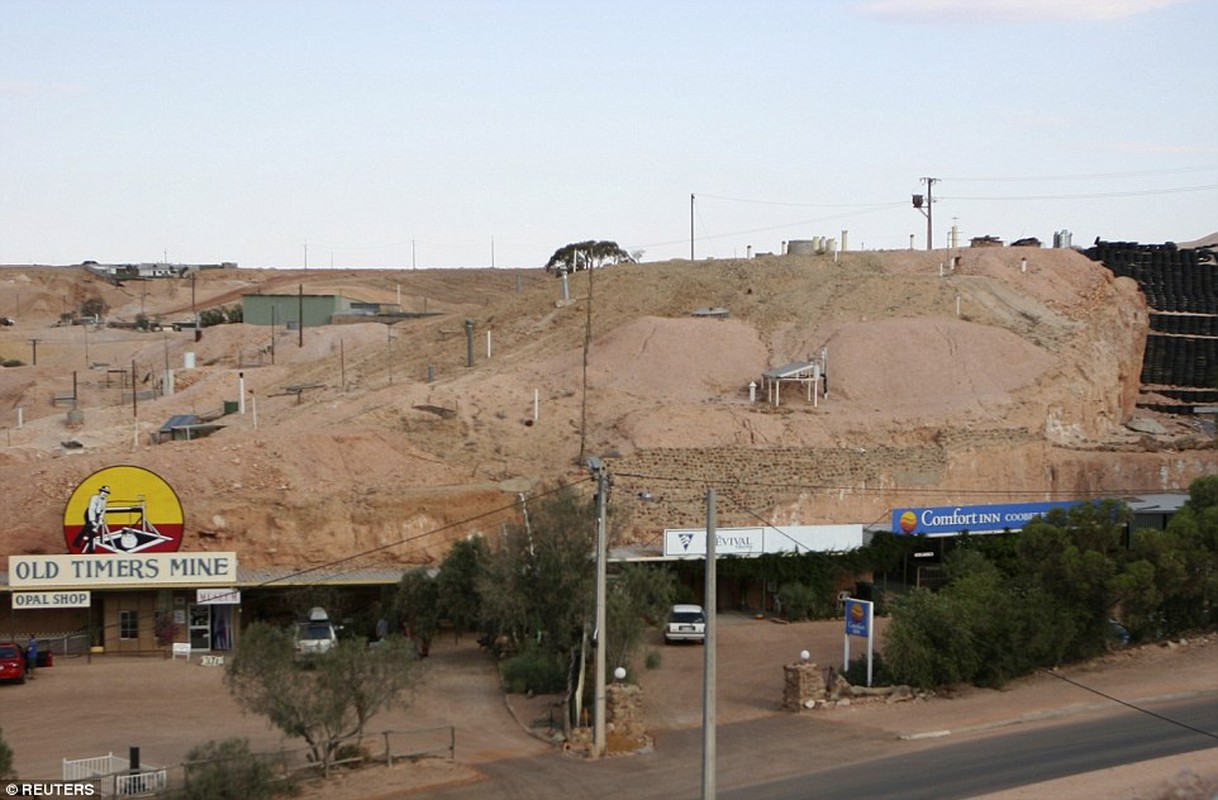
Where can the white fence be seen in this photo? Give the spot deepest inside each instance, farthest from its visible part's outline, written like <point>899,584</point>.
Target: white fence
<point>113,777</point>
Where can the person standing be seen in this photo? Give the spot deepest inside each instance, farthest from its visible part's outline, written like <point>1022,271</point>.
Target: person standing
<point>31,656</point>
<point>95,521</point>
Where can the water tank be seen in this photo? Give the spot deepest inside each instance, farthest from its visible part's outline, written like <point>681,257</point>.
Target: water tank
<point>801,247</point>
<point>188,360</point>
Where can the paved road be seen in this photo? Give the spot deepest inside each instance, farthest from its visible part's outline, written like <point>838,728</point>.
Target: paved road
<point>982,766</point>
<point>792,757</point>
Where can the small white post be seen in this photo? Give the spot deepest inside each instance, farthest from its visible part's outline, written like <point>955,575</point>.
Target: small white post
<point>488,344</point>
<point>1023,265</point>
<point>254,404</point>
<point>536,404</point>
<point>752,391</point>
<point>20,417</point>
<point>241,393</point>
<point>957,305</point>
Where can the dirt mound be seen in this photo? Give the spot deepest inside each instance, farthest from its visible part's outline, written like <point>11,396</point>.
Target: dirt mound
<point>1002,370</point>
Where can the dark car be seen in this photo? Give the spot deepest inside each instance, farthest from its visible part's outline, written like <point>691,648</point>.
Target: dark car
<point>12,662</point>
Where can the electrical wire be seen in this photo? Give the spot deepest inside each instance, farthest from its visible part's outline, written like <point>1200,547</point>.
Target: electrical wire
<point>1133,706</point>
<point>1091,196</point>
<point>1086,176</point>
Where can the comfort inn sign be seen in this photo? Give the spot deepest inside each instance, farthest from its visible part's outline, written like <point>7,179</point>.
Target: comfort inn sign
<point>145,569</point>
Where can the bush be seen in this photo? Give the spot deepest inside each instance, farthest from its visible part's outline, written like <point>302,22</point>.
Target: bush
<point>534,671</point>
<point>798,601</point>
<point>856,672</point>
<point>6,760</point>
<point>227,770</point>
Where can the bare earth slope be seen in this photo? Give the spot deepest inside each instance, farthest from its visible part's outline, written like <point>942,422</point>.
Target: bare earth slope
<point>997,381</point>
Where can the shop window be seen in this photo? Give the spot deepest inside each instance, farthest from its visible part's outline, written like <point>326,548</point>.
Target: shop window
<point>128,625</point>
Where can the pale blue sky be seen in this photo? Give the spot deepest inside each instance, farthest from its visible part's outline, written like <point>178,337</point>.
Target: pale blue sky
<point>240,131</point>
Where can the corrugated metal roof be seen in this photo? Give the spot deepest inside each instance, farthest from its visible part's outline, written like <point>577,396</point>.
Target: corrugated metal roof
<point>789,370</point>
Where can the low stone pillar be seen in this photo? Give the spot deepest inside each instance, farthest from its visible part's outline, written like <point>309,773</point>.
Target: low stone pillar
<point>624,714</point>
<point>803,686</point>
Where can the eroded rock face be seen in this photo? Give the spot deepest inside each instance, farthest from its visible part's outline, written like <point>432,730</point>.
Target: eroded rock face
<point>984,377</point>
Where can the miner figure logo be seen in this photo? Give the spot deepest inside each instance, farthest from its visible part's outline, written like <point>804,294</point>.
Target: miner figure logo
<point>686,539</point>
<point>130,538</point>
<point>95,522</point>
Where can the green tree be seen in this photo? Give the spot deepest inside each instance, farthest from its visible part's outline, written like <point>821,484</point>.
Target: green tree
<point>94,307</point>
<point>538,586</point>
<point>326,704</point>
<point>227,770</point>
<point>538,592</point>
<point>417,605</point>
<point>457,584</point>
<point>637,598</point>
<point>586,255</point>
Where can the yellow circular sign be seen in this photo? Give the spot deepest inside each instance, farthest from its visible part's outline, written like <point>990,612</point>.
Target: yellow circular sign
<point>123,509</point>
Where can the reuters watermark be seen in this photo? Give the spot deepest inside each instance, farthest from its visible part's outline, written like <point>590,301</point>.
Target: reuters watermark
<point>48,789</point>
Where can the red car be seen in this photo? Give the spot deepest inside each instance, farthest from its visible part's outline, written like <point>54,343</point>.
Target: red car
<point>12,662</point>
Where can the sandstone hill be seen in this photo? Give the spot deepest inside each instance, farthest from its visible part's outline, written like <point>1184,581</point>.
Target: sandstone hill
<point>1001,380</point>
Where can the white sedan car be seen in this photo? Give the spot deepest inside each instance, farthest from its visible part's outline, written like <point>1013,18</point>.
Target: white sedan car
<point>686,623</point>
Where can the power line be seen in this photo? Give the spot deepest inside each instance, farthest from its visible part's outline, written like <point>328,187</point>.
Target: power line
<point>1088,176</point>
<point>415,537</point>
<point>1091,196</point>
<point>1127,704</point>
<point>766,229</point>
<point>797,205</point>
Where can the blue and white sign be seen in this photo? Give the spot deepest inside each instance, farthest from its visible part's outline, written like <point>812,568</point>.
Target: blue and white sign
<point>858,617</point>
<point>952,520</point>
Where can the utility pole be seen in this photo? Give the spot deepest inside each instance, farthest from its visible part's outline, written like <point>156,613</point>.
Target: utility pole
<point>925,206</point>
<point>602,552</point>
<point>708,655</point>
<point>691,227</point>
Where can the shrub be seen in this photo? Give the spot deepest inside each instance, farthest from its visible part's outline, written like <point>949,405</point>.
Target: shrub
<point>534,671</point>
<point>856,672</point>
<point>798,600</point>
<point>6,760</point>
<point>227,770</point>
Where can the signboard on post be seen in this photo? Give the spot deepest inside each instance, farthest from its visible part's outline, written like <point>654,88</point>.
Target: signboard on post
<point>860,621</point>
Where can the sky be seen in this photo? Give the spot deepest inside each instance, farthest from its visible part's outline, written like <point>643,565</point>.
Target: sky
<point>461,133</point>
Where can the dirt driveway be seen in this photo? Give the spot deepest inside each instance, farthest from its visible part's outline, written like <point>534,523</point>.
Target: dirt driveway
<point>78,709</point>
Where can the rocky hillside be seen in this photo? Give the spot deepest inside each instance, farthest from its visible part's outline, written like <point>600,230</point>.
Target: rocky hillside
<point>1012,376</point>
